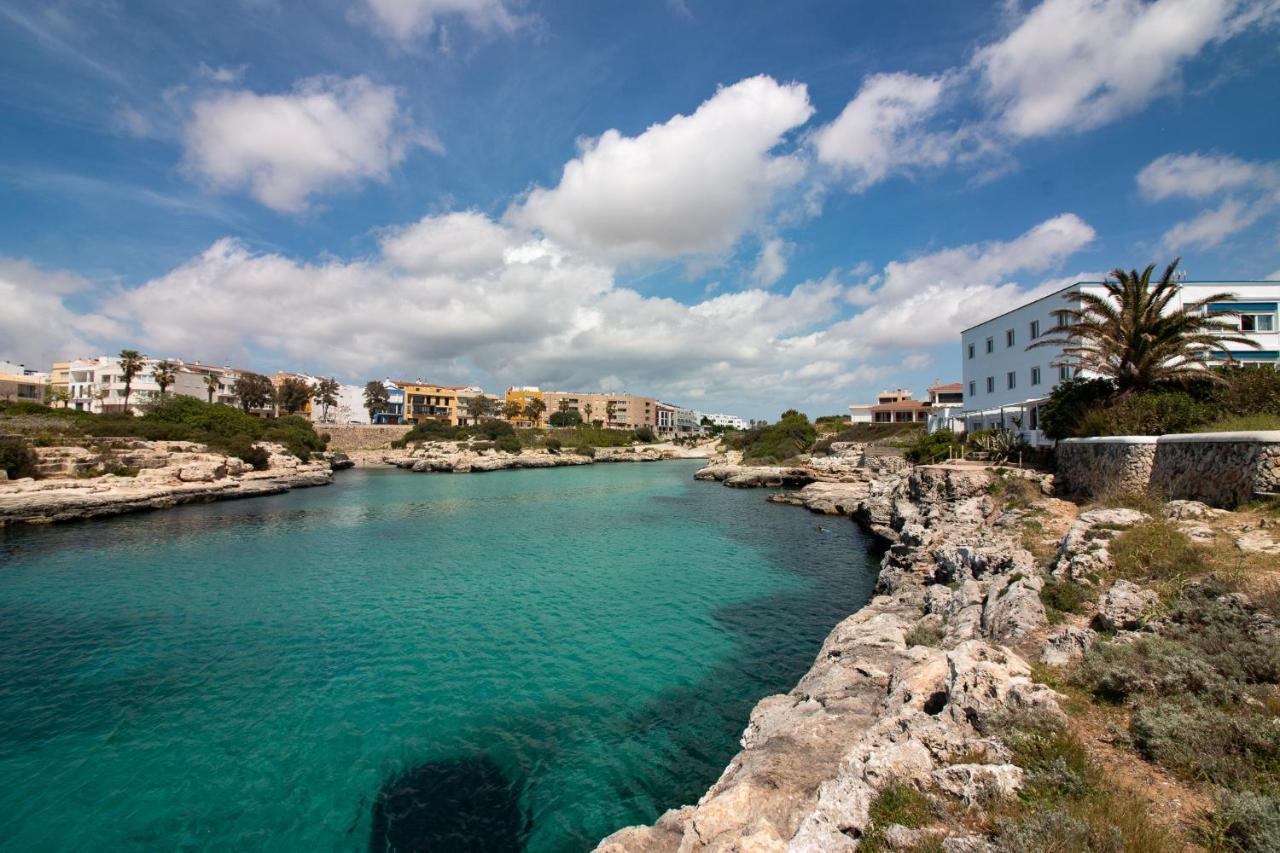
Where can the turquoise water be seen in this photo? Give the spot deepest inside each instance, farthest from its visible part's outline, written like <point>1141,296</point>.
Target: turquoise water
<point>518,660</point>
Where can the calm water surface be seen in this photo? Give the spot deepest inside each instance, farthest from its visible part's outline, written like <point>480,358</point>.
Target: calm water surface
<point>522,660</point>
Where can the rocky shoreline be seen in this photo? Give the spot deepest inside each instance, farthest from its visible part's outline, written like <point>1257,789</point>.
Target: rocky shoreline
<point>454,457</point>
<point>918,685</point>
<point>168,474</point>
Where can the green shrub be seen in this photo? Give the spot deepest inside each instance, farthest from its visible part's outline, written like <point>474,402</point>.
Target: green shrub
<point>923,635</point>
<point>1208,742</point>
<point>791,436</point>
<point>552,443</point>
<point>17,459</point>
<point>645,435</point>
<point>243,448</point>
<point>1245,822</point>
<point>508,443</point>
<point>429,431</point>
<point>1064,596</point>
<point>567,418</point>
<point>1070,401</point>
<point>490,428</point>
<point>896,803</point>
<point>931,447</point>
<point>25,408</point>
<point>585,450</point>
<point>1155,413</point>
<point>1155,550</point>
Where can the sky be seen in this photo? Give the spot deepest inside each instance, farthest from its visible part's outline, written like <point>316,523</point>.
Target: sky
<point>736,206</point>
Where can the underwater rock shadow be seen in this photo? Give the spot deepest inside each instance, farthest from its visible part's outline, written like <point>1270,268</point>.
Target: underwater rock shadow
<point>455,804</point>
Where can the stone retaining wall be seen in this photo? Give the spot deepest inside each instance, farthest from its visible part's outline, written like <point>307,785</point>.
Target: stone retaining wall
<point>1220,468</point>
<point>361,436</point>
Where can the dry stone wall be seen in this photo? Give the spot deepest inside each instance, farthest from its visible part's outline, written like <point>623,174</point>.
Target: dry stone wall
<point>347,437</point>
<point>1222,469</point>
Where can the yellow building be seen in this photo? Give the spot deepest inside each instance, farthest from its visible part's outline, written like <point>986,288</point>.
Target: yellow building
<point>21,389</point>
<point>424,402</point>
<point>522,396</point>
<point>60,384</point>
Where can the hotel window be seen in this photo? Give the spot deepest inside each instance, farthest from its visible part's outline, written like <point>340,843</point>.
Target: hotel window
<point>1035,329</point>
<point>973,388</point>
<point>1008,338</point>
<point>991,384</point>
<point>1012,378</point>
<point>1064,373</point>
<point>991,344</point>
<point>1035,376</point>
<point>970,350</point>
<point>1257,322</point>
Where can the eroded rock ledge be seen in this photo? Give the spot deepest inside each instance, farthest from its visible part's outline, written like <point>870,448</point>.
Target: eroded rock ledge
<point>457,458</point>
<point>170,473</point>
<point>879,705</point>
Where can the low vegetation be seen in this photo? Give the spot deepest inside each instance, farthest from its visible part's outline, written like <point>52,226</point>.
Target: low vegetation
<point>174,418</point>
<point>898,803</point>
<point>1155,551</point>
<point>1203,703</point>
<point>773,444</point>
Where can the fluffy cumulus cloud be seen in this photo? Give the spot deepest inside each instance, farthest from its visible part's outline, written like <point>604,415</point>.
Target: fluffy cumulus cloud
<point>407,20</point>
<point>772,263</point>
<point>1245,192</point>
<point>37,326</point>
<point>1076,64</point>
<point>692,185</point>
<point>882,130</point>
<point>284,148</point>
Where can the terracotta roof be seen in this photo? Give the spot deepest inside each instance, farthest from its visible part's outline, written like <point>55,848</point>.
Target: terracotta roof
<point>950,386</point>
<point>901,406</point>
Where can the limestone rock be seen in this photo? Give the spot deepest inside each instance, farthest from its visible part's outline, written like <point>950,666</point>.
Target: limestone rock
<point>976,784</point>
<point>1258,541</point>
<point>1065,645</point>
<point>1125,607</point>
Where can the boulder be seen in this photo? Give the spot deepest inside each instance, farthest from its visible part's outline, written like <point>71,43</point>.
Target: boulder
<point>1065,645</point>
<point>1125,607</point>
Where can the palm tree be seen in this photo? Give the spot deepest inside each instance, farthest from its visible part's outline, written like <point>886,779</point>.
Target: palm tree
<point>131,363</point>
<point>326,394</point>
<point>512,409</point>
<point>479,407</point>
<point>534,409</point>
<point>586,411</point>
<point>610,408</point>
<point>375,397</point>
<point>164,373</point>
<point>1130,337</point>
<point>211,383</point>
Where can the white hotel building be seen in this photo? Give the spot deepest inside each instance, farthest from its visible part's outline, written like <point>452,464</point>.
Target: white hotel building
<point>1005,383</point>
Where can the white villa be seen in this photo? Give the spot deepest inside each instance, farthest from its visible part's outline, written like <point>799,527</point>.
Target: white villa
<point>1005,383</point>
<point>97,384</point>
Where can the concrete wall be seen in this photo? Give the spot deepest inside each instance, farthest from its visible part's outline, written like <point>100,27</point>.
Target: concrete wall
<point>1219,468</point>
<point>361,436</point>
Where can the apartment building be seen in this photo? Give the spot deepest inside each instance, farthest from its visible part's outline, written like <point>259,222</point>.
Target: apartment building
<point>722,420</point>
<point>466,400</point>
<point>613,411</point>
<point>21,387</point>
<point>393,410</point>
<point>426,402</point>
<point>522,396</point>
<point>97,384</point>
<point>1005,383</point>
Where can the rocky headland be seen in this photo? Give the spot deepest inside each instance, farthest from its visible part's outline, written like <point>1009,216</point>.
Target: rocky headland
<point>922,688</point>
<point>78,482</point>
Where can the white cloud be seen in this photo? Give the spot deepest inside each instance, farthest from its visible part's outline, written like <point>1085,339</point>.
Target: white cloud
<point>881,130</point>
<point>407,20</point>
<point>928,300</point>
<point>1200,176</point>
<point>1211,227</point>
<point>221,74</point>
<point>327,132</point>
<point>1254,188</point>
<point>772,263</point>
<point>1076,64</point>
<point>36,326</point>
<point>692,185</point>
<point>464,242</point>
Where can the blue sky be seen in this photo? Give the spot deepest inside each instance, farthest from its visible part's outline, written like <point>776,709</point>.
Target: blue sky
<point>738,206</point>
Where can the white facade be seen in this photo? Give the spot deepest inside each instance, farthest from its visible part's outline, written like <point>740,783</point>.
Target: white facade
<point>860,413</point>
<point>728,421</point>
<point>1004,382</point>
<point>10,368</point>
<point>97,384</point>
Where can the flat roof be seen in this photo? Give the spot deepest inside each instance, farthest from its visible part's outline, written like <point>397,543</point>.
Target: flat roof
<point>1063,290</point>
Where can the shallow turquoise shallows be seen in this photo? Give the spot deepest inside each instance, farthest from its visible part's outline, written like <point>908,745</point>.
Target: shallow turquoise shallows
<point>517,660</point>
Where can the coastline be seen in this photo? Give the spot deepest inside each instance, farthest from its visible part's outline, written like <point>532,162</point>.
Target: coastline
<point>876,708</point>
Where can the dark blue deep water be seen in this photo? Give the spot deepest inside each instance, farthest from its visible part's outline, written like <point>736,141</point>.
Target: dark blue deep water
<point>518,660</point>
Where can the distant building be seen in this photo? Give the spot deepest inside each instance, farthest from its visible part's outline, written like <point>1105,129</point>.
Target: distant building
<point>393,410</point>
<point>522,396</point>
<point>726,421</point>
<point>860,413</point>
<point>1006,384</point>
<point>899,406</point>
<point>613,411</point>
<point>97,384</point>
<point>467,395</point>
<point>20,387</point>
<point>946,401</point>
<point>426,402</point>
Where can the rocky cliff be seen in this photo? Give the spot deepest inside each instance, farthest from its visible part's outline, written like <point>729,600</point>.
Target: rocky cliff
<point>162,474</point>
<point>908,689</point>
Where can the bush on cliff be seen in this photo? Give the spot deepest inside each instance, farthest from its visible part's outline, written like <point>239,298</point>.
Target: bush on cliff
<point>773,443</point>
<point>931,447</point>
<point>17,459</point>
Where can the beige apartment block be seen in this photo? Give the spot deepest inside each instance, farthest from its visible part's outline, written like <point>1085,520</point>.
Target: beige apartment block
<point>614,411</point>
